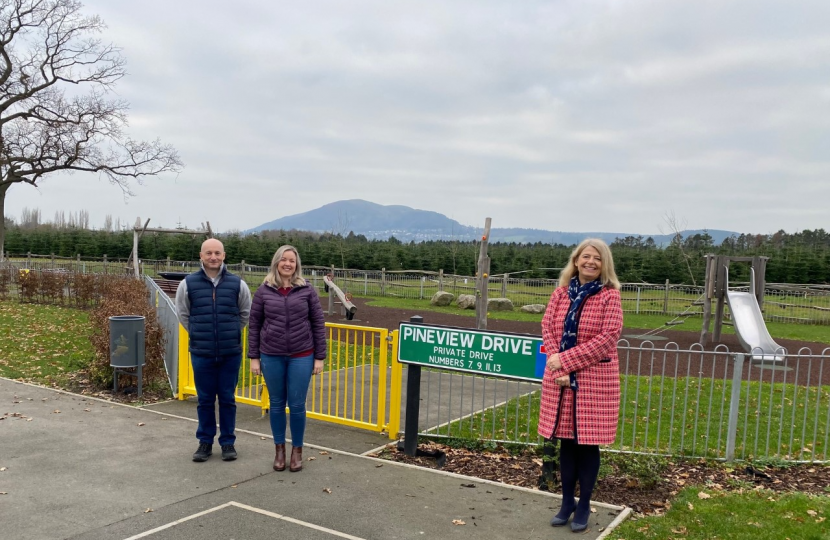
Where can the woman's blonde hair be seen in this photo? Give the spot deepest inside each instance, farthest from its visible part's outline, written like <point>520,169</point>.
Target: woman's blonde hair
<point>606,274</point>
<point>273,277</point>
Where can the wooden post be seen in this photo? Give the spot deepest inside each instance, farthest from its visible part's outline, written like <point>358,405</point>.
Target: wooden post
<point>135,252</point>
<point>504,285</point>
<point>720,293</point>
<point>383,281</point>
<point>666,297</point>
<point>708,291</point>
<point>105,263</point>
<point>759,265</point>
<point>242,269</point>
<point>53,259</point>
<point>29,259</point>
<point>483,278</point>
<point>441,279</point>
<point>167,266</point>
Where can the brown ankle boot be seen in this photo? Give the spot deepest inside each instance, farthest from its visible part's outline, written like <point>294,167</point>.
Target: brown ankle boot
<point>279,459</point>
<point>296,459</point>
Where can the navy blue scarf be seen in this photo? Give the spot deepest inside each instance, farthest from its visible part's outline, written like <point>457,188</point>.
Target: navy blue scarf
<point>577,294</point>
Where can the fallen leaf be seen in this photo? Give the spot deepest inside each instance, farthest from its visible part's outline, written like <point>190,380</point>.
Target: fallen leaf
<point>263,438</point>
<point>679,530</point>
<point>323,453</point>
<point>140,424</point>
<point>458,522</point>
<point>327,490</point>
<point>311,458</point>
<point>703,495</point>
<point>56,411</point>
<point>691,506</point>
<point>148,510</point>
<point>233,486</point>
<point>812,513</point>
<point>379,465</point>
<point>2,469</point>
<point>86,410</point>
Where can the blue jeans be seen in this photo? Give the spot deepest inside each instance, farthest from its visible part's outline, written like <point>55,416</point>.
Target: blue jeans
<point>287,381</point>
<point>216,377</point>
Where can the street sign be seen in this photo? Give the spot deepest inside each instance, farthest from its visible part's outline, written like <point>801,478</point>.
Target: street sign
<point>512,356</point>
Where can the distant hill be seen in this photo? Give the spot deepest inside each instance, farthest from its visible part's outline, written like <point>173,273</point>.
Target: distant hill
<point>376,221</point>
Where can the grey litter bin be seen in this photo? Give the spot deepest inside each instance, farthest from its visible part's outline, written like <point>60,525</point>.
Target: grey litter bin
<point>126,347</point>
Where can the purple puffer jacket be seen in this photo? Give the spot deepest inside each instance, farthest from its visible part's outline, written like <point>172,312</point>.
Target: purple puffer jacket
<point>283,325</point>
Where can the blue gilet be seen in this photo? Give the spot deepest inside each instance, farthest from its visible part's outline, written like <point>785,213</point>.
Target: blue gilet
<point>214,315</point>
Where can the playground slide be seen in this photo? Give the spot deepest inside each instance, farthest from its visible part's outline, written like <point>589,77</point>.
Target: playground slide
<point>750,327</point>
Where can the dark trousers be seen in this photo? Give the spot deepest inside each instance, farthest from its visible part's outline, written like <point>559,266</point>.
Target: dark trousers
<point>216,378</point>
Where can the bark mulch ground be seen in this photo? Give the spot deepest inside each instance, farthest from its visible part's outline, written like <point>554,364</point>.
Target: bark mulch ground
<point>646,486</point>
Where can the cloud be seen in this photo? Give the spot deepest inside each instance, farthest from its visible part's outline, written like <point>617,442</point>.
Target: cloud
<point>567,115</point>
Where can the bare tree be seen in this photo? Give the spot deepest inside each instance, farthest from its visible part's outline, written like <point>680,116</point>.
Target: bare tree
<point>676,228</point>
<point>339,230</point>
<point>47,48</point>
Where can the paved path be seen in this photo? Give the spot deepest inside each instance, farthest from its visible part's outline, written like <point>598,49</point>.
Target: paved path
<point>81,468</point>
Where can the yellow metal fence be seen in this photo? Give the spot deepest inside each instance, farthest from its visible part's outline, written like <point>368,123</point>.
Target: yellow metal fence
<point>359,387</point>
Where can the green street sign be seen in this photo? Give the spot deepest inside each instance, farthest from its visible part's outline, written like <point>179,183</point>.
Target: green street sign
<point>512,356</point>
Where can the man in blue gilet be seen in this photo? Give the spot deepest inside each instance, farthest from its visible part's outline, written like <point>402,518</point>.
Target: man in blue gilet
<point>214,305</point>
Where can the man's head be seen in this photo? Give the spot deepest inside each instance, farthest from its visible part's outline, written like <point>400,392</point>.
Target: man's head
<point>212,255</point>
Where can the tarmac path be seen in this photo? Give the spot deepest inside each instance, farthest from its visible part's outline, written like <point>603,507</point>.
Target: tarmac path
<point>77,467</point>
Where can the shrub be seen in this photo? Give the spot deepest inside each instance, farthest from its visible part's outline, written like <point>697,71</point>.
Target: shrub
<point>121,295</point>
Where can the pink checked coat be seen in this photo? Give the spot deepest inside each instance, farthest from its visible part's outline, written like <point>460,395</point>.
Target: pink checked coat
<point>593,359</point>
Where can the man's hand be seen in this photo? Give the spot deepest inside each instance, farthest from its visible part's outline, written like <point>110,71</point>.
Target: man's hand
<point>256,367</point>
<point>318,367</point>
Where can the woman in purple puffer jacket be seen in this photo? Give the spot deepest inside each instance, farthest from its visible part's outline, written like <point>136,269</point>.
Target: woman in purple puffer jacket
<point>287,344</point>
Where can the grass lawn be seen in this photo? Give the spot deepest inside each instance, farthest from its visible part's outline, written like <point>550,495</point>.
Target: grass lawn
<point>41,344</point>
<point>683,416</point>
<point>701,513</point>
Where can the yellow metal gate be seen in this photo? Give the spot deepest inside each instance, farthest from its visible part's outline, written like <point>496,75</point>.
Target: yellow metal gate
<point>360,385</point>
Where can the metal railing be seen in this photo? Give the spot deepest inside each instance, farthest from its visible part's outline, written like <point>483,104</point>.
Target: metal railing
<point>359,387</point>
<point>804,304</point>
<point>169,322</point>
<point>695,403</point>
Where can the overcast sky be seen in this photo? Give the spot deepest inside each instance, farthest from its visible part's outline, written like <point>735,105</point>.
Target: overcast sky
<point>583,115</point>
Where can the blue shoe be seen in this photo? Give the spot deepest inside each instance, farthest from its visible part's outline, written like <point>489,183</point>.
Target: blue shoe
<point>580,523</point>
<point>562,517</point>
<point>579,527</point>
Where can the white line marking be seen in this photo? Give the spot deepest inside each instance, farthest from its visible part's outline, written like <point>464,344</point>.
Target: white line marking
<point>297,521</point>
<point>178,522</point>
<point>251,509</point>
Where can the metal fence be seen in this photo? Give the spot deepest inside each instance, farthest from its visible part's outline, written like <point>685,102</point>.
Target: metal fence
<point>695,403</point>
<point>803,304</point>
<point>169,322</point>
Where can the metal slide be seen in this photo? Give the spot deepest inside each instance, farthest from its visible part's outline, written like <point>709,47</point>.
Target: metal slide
<point>750,326</point>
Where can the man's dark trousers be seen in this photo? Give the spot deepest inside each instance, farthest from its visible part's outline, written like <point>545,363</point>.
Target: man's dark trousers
<point>216,377</point>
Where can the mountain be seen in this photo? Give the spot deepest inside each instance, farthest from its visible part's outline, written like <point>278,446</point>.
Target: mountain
<point>376,221</point>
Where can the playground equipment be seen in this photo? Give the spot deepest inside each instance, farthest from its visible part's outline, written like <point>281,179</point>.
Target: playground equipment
<point>347,308</point>
<point>749,324</point>
<point>744,307</point>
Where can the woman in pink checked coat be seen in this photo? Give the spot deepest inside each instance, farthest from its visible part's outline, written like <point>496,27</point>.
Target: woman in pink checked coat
<point>581,385</point>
